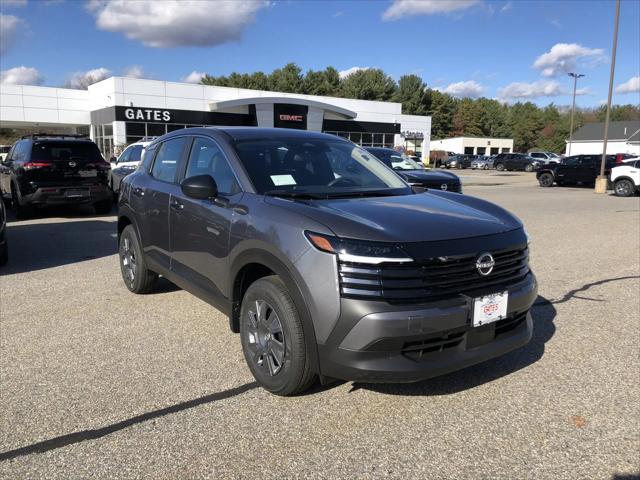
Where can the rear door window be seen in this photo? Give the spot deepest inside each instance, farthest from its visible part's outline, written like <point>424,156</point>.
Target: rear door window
<point>165,165</point>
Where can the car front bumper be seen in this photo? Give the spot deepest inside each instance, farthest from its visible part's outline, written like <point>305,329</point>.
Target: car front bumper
<point>378,342</point>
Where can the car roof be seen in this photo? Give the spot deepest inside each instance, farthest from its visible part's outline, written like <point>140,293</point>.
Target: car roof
<point>256,133</point>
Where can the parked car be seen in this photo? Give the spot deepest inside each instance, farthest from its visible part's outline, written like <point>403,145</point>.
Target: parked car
<point>324,259</point>
<point>4,150</point>
<point>545,157</point>
<point>626,178</point>
<point>515,161</point>
<point>126,163</point>
<point>482,163</point>
<point>4,244</point>
<point>574,169</point>
<point>51,169</point>
<point>414,173</point>
<point>459,161</point>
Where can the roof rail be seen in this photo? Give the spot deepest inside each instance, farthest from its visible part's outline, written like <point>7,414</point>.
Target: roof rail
<point>57,135</point>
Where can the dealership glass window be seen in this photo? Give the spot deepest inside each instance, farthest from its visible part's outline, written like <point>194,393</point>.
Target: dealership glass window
<point>156,129</point>
<point>367,139</point>
<point>506,150</point>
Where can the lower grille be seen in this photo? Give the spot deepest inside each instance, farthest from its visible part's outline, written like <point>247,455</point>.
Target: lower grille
<point>416,350</point>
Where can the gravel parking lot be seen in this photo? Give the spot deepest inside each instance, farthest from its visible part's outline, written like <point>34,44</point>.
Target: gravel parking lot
<point>99,383</point>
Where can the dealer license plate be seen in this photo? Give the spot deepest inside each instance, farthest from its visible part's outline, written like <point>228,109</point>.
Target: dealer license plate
<point>76,193</point>
<point>490,308</point>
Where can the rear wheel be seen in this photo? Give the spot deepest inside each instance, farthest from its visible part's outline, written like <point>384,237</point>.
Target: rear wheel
<point>133,266</point>
<point>500,167</point>
<point>21,210</point>
<point>528,168</point>
<point>624,188</point>
<point>272,338</point>
<point>103,207</point>
<point>545,180</point>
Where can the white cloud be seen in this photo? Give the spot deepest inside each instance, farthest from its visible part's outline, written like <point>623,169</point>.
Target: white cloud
<point>406,8</point>
<point>21,76</point>
<point>176,23</point>
<point>12,3</point>
<point>506,7</point>
<point>540,88</point>
<point>630,86</point>
<point>563,58</point>
<point>134,71</point>
<point>193,77</point>
<point>9,28</point>
<point>470,88</point>
<point>349,71</point>
<point>338,14</point>
<point>81,80</point>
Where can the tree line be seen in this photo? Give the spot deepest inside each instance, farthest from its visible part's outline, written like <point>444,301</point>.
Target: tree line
<point>530,126</point>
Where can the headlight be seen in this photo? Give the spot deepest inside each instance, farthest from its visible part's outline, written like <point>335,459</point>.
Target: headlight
<point>526,234</point>
<point>358,251</point>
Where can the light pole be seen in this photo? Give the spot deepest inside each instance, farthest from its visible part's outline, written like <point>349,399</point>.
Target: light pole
<point>601,181</point>
<point>575,76</point>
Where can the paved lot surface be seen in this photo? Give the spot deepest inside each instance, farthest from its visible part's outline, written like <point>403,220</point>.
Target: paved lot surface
<point>99,383</point>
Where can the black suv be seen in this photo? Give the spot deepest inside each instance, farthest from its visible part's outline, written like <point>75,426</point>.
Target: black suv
<point>515,161</point>
<point>326,262</point>
<point>414,173</point>
<point>49,169</point>
<point>575,169</point>
<point>4,245</point>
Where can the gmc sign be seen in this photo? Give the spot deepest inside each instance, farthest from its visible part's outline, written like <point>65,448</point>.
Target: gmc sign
<point>291,118</point>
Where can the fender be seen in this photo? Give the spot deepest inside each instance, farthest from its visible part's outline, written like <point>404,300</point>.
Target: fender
<point>291,280</point>
<point>625,177</point>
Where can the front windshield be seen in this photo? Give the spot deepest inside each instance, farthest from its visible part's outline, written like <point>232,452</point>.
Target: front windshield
<point>400,161</point>
<point>314,165</point>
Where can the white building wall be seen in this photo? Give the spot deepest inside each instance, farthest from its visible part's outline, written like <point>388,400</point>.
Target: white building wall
<point>595,147</point>
<point>24,105</point>
<point>459,144</point>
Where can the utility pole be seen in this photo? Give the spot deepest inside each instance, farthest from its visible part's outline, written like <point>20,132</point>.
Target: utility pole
<point>575,76</point>
<point>601,181</point>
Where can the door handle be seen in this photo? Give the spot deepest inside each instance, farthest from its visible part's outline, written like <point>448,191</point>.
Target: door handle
<point>138,192</point>
<point>176,204</point>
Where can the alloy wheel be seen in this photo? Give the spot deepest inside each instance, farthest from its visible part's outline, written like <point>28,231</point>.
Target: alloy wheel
<point>265,337</point>
<point>128,260</point>
<point>623,189</point>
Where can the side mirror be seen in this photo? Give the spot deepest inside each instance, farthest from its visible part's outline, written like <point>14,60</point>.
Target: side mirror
<point>200,187</point>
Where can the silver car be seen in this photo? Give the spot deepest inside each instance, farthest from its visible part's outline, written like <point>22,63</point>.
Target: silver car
<point>482,163</point>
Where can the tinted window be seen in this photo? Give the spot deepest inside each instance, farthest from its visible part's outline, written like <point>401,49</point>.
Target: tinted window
<point>167,158</point>
<point>538,155</point>
<point>135,152</point>
<point>125,156</point>
<point>571,160</point>
<point>206,158</point>
<point>62,151</point>
<point>5,149</point>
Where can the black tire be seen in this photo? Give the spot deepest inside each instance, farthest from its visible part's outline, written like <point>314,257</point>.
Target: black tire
<point>22,211</point>
<point>103,207</point>
<point>261,342</point>
<point>624,188</point>
<point>528,168</point>
<point>500,167</point>
<point>133,266</point>
<point>545,180</point>
<point>4,253</point>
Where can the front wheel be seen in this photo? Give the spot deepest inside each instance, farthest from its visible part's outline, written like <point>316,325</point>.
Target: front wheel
<point>133,266</point>
<point>624,188</point>
<point>272,338</point>
<point>545,180</point>
<point>500,167</point>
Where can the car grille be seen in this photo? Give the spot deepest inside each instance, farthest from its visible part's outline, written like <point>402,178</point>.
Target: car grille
<point>433,279</point>
<point>417,349</point>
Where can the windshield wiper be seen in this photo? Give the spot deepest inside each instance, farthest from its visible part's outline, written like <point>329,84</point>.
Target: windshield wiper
<point>293,194</point>
<point>366,193</point>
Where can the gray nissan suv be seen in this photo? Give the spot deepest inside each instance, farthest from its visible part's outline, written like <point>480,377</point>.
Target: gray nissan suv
<point>324,259</point>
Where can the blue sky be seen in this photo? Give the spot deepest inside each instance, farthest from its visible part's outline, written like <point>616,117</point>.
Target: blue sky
<point>466,47</point>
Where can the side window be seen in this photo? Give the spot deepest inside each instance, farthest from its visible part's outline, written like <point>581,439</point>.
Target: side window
<point>637,164</point>
<point>135,153</point>
<point>124,157</point>
<point>165,165</point>
<point>206,158</point>
<point>19,152</point>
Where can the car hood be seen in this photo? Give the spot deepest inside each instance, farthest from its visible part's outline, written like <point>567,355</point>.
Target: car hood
<point>429,216</point>
<point>430,177</point>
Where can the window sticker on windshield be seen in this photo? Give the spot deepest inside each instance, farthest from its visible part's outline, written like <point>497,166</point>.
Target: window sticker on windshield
<point>279,180</point>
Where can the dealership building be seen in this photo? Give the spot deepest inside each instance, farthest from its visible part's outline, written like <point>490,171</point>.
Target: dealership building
<point>474,145</point>
<point>118,111</point>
